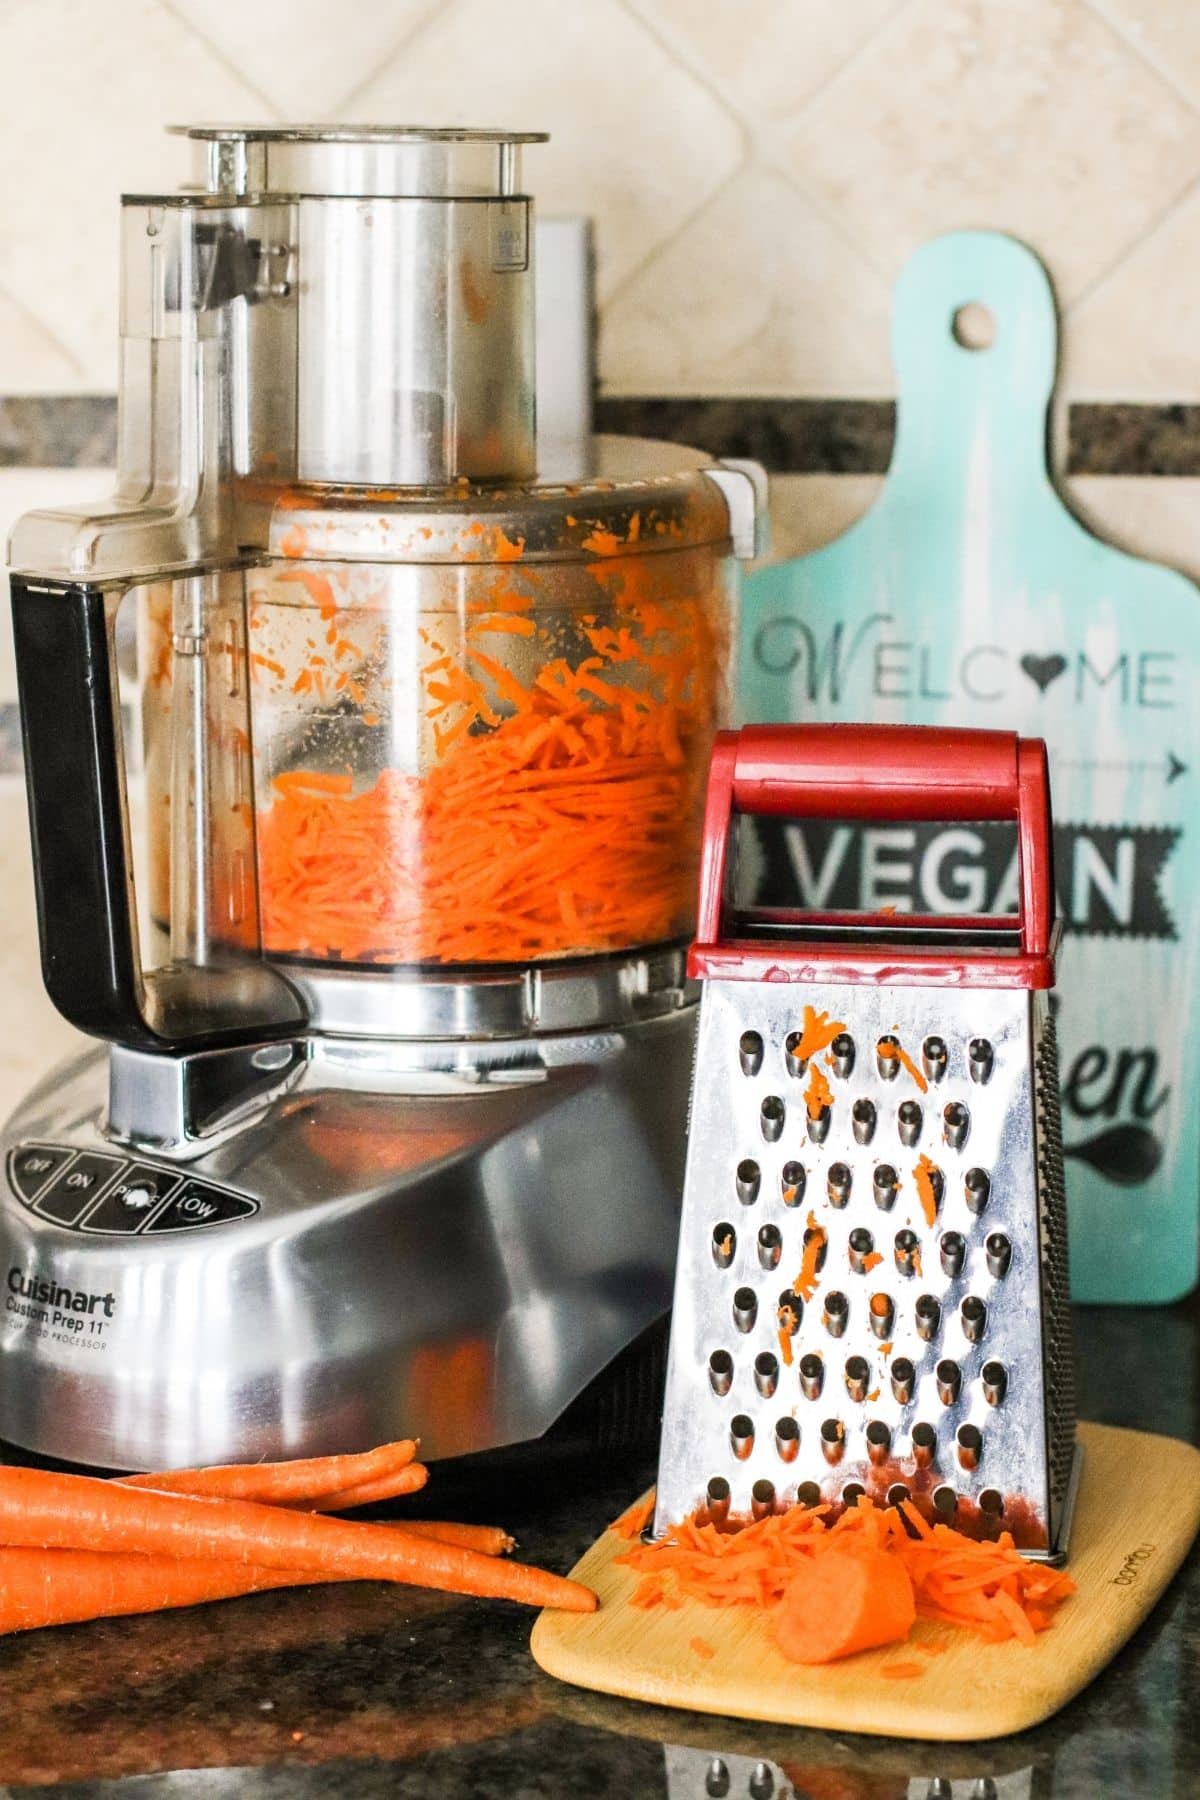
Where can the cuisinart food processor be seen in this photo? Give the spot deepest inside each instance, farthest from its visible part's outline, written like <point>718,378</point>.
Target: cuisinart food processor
<point>382,929</point>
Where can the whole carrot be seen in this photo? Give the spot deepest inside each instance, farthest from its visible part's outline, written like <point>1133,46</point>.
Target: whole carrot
<point>488,1540</point>
<point>307,1478</point>
<point>65,1587</point>
<point>371,1493</point>
<point>43,1510</point>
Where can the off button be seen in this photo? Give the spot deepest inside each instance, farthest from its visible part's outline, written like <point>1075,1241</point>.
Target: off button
<point>30,1168</point>
<point>198,1204</point>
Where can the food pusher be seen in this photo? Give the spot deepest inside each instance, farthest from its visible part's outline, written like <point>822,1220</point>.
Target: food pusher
<point>871,1292</point>
<point>383,930</point>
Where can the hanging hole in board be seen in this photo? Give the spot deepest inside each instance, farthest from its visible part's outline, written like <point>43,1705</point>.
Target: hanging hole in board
<point>973,326</point>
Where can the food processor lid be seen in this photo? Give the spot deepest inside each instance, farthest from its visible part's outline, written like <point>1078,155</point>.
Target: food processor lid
<point>634,496</point>
<point>358,161</point>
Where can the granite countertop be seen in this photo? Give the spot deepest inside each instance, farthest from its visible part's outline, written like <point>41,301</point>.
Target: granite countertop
<point>361,1691</point>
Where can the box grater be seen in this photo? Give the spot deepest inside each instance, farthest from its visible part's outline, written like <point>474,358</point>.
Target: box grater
<point>871,1290</point>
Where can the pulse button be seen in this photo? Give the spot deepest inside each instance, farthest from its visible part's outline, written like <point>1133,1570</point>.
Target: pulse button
<point>130,1201</point>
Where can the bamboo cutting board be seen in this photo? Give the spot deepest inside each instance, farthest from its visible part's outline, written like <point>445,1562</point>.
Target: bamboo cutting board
<point>1137,1512</point>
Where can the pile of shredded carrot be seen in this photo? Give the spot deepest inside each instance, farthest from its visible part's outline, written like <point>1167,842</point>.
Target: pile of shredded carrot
<point>986,1588</point>
<point>556,808</point>
<point>74,1547</point>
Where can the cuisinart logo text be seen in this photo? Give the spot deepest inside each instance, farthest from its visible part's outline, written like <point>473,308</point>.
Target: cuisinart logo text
<point>34,1296</point>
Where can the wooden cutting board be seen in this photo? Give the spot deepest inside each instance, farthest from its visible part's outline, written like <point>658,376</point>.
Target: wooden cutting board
<point>1137,1512</point>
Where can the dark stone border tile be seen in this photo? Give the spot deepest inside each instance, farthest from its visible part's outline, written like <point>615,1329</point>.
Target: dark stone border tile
<point>788,436</point>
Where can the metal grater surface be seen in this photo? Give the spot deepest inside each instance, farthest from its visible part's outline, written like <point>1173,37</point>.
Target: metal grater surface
<point>759,1414</point>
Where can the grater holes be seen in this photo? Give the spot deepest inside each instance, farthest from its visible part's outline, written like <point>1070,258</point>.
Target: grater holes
<point>789,1312</point>
<point>762,1498</point>
<point>808,1494</point>
<point>994,1379</point>
<point>750,1052</point>
<point>852,1493</point>
<point>720,1372</point>
<point>766,1373</point>
<point>814,1235</point>
<point>716,1498</point>
<point>969,1440</point>
<point>887,1057</point>
<point>948,1376</point>
<point>998,1252</point>
<point>812,1376</point>
<point>924,1445</point>
<point>973,1314</point>
<point>862,1121</point>
<point>833,1440</point>
<point>980,1060</point>
<point>881,1314</point>
<point>898,1493</point>
<point>939,1789</point>
<point>741,1435</point>
<point>818,1124</point>
<point>956,1124</point>
<point>745,1309</point>
<point>770,1246</point>
<point>945,1502</point>
<point>772,1114</point>
<point>909,1119</point>
<point>860,1246</point>
<point>716,1779</point>
<point>792,1183</point>
<point>885,1184</point>
<point>787,1439</point>
<point>842,1053</point>
<point>904,1378</point>
<point>724,1244</point>
<point>953,1252</point>
<point>907,1250</point>
<point>991,1500</point>
<point>934,1058</point>
<point>838,1184</point>
<point>928,1316</point>
<point>857,1376</point>
<point>795,1063</point>
<point>879,1442</point>
<point>978,1187</point>
<point>836,1313</point>
<point>747,1181</point>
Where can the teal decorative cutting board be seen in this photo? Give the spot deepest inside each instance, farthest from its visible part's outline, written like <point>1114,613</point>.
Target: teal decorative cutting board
<point>970,595</point>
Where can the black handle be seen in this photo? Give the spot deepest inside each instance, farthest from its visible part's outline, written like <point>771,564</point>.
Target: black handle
<point>76,819</point>
<point>82,876</point>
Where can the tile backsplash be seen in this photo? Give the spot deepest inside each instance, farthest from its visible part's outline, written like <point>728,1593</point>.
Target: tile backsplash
<point>758,171</point>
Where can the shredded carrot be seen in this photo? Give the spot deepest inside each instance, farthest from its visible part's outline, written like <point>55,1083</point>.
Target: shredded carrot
<point>987,1588</point>
<point>818,1094</point>
<point>897,1053</point>
<point>901,1671</point>
<point>815,1240</point>
<point>818,1033</point>
<point>871,1261</point>
<point>702,1648</point>
<point>634,1520</point>
<point>923,1175</point>
<point>785,1346</point>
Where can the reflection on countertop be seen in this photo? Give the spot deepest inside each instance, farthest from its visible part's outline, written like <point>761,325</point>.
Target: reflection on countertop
<point>362,1691</point>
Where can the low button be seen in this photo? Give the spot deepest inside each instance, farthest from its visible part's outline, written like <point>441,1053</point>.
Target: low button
<point>73,1191</point>
<point>30,1168</point>
<point>130,1201</point>
<point>198,1204</point>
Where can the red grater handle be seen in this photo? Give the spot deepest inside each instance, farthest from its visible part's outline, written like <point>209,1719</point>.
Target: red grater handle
<point>881,772</point>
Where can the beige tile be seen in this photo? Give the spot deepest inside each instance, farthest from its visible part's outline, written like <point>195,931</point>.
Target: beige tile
<point>1136,336</point>
<point>88,90</point>
<point>20,491</point>
<point>305,56</point>
<point>43,1037</point>
<point>32,361</point>
<point>768,55</point>
<point>1031,116</point>
<point>809,511</point>
<point>759,294</point>
<point>1167,32</point>
<point>636,141</point>
<point>1154,516</point>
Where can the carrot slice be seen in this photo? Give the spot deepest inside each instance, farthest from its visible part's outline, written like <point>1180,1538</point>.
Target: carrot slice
<point>844,1602</point>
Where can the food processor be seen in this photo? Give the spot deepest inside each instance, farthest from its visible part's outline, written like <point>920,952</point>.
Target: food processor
<point>365,766</point>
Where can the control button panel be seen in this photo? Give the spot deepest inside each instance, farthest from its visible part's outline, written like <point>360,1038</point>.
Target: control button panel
<point>89,1191</point>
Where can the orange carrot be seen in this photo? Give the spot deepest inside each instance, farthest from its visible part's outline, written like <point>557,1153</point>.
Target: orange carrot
<point>371,1493</point>
<point>897,1053</point>
<point>634,1520</point>
<point>42,1510</point>
<point>818,1095</point>
<point>702,1648</point>
<point>844,1602</point>
<point>901,1671</point>
<point>923,1175</point>
<point>303,1479</point>
<point>63,1587</point>
<point>818,1033</point>
<point>488,1540</point>
<point>815,1241</point>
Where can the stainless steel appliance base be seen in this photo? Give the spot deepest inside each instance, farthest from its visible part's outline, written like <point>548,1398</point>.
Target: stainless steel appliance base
<point>431,1240</point>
